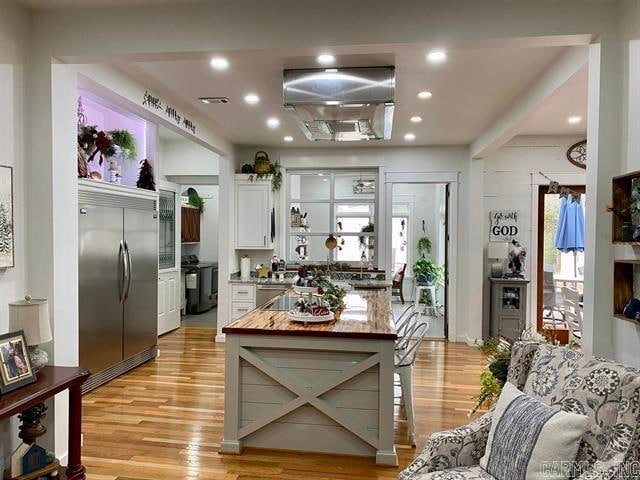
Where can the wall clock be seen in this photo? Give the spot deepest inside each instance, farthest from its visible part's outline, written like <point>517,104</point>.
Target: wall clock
<point>577,154</point>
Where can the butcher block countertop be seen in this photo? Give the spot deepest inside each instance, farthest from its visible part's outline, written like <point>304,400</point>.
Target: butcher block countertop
<point>367,315</point>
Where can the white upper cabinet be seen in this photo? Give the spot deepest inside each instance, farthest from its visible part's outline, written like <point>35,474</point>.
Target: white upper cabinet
<point>254,209</point>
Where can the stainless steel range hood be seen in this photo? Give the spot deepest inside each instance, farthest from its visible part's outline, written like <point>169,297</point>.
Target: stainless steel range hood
<point>341,104</point>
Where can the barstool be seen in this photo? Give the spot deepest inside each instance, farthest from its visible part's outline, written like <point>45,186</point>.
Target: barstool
<point>406,352</point>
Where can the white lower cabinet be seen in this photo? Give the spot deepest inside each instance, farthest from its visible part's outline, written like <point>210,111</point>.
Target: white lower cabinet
<point>168,302</point>
<point>243,300</point>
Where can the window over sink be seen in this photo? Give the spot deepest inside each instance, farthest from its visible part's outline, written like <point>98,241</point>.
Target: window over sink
<point>337,202</point>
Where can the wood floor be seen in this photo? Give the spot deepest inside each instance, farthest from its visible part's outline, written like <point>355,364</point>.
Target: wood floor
<point>164,420</point>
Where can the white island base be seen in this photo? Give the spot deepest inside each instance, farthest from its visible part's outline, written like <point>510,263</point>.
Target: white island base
<point>326,394</point>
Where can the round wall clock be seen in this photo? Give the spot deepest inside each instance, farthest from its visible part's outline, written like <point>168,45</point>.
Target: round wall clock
<point>577,154</point>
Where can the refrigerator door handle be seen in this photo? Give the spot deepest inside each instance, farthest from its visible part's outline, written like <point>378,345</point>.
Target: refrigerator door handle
<point>128,269</point>
<point>125,270</point>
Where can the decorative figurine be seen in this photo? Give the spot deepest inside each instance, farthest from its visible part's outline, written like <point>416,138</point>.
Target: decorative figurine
<point>517,258</point>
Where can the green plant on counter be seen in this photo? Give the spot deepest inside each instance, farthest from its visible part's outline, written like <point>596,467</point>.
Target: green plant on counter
<point>196,201</point>
<point>127,143</point>
<point>426,270</point>
<point>424,245</point>
<point>332,294</point>
<point>276,176</point>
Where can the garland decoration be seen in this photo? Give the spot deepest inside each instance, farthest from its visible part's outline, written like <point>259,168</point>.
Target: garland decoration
<point>564,192</point>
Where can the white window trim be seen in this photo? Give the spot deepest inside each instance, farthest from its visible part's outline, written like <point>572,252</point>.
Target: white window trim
<point>332,201</point>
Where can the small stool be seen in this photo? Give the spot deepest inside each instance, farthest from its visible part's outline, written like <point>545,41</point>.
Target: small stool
<point>432,296</point>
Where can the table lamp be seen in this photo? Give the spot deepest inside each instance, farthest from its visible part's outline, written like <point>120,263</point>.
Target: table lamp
<point>31,315</point>
<point>497,251</point>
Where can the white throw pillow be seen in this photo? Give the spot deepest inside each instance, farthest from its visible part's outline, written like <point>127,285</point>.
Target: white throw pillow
<point>530,440</point>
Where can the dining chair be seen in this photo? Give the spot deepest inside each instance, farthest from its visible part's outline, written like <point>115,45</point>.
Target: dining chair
<point>398,283</point>
<point>552,300</point>
<point>572,312</point>
<point>405,358</point>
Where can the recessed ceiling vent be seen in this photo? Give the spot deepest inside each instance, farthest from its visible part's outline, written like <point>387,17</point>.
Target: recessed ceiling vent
<point>341,104</point>
<point>209,100</point>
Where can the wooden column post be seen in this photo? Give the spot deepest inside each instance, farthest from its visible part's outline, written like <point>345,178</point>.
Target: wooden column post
<point>75,470</point>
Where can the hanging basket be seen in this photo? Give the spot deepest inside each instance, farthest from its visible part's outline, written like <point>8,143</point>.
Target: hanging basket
<point>261,162</point>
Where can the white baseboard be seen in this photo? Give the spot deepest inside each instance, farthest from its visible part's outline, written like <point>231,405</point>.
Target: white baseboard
<point>220,338</point>
<point>472,342</point>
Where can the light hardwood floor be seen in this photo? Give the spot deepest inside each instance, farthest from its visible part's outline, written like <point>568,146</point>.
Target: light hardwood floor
<point>164,420</point>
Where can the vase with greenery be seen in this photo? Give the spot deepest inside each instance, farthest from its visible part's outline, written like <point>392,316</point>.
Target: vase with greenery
<point>274,173</point>
<point>426,271</point>
<point>126,143</point>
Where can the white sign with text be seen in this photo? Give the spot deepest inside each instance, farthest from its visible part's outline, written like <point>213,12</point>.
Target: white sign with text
<point>504,225</point>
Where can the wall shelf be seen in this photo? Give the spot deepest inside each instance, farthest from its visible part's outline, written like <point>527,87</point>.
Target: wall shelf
<point>621,189</point>
<point>625,273</point>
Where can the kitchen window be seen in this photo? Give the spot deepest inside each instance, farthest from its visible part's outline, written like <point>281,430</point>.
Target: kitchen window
<point>342,203</point>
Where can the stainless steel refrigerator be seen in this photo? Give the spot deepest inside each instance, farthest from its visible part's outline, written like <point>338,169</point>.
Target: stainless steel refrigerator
<point>118,277</point>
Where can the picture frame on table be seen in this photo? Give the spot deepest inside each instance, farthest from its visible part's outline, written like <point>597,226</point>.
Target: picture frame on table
<point>7,240</point>
<point>15,367</point>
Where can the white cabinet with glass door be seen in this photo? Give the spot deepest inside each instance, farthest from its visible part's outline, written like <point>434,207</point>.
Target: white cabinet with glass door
<point>254,214</point>
<point>168,260</point>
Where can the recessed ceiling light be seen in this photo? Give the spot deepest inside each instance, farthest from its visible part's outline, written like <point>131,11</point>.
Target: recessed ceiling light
<point>409,137</point>
<point>219,63</point>
<point>288,138</point>
<point>330,70</point>
<point>326,59</point>
<point>416,119</point>
<point>332,102</point>
<point>425,94</point>
<point>273,122</point>
<point>574,120</point>
<point>252,98</point>
<point>436,56</point>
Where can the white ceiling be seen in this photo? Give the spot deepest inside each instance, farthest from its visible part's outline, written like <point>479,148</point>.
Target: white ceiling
<point>569,100</point>
<point>470,90</point>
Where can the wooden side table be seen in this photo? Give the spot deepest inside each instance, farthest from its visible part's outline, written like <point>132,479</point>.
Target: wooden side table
<point>51,381</point>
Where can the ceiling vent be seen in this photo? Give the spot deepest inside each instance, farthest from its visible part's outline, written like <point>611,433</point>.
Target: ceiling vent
<point>210,100</point>
<point>341,104</point>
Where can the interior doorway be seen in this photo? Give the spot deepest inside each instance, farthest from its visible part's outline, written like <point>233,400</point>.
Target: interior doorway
<point>419,251</point>
<point>560,268</point>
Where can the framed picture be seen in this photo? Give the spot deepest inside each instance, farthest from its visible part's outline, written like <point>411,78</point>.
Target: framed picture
<point>6,217</point>
<point>15,367</point>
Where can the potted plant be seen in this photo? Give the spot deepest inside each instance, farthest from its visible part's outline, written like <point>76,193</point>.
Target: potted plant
<point>334,296</point>
<point>427,272</point>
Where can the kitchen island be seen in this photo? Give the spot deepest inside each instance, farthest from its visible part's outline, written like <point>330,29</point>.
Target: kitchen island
<point>318,387</point>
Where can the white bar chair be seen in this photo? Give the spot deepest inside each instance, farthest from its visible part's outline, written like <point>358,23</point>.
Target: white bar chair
<point>406,352</point>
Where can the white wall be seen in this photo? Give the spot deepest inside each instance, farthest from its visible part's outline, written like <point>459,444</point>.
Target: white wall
<point>625,335</point>
<point>207,249</point>
<point>397,160</point>
<point>14,24</point>
<point>511,180</point>
<point>186,158</point>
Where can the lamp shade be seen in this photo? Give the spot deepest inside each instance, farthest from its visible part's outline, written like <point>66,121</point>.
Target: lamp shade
<point>31,316</point>
<point>497,250</point>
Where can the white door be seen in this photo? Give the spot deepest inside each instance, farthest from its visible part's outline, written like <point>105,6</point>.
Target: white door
<point>253,216</point>
<point>168,304</point>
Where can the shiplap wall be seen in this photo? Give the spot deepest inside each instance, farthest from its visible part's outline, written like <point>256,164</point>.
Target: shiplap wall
<point>511,179</point>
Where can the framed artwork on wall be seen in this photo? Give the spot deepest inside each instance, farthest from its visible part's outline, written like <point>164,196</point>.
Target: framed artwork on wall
<point>6,218</point>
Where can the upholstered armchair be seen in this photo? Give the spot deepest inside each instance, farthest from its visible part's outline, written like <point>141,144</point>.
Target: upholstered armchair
<point>606,391</point>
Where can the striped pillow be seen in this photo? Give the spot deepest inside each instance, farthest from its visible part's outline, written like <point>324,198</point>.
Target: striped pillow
<point>529,440</point>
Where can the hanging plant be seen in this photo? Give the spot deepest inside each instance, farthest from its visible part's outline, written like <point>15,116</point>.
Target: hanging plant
<point>126,141</point>
<point>366,229</point>
<point>424,245</point>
